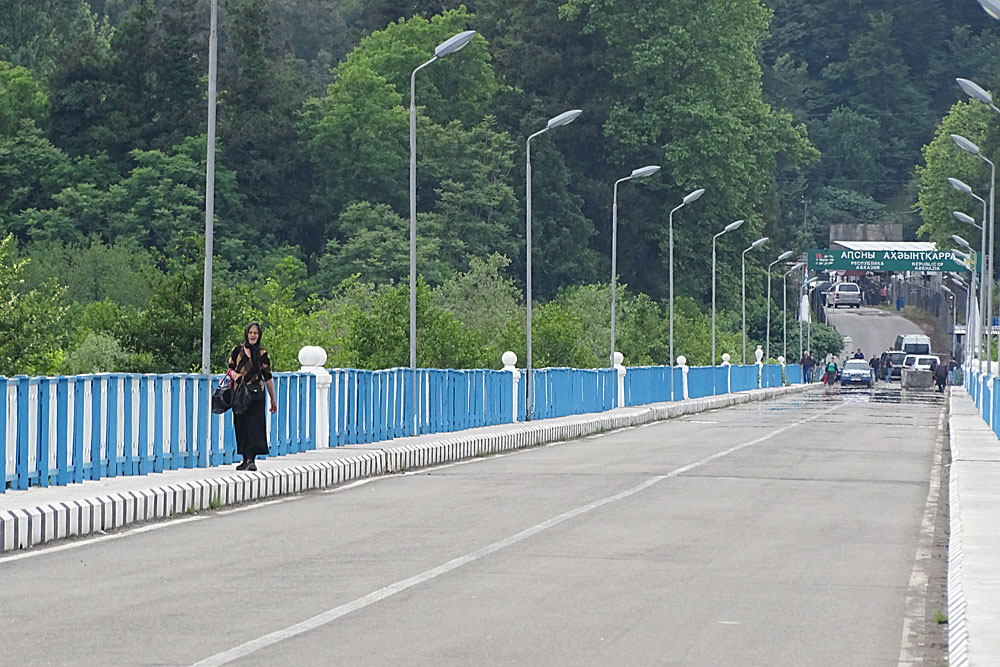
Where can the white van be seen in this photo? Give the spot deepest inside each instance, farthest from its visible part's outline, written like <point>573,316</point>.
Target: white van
<point>913,343</point>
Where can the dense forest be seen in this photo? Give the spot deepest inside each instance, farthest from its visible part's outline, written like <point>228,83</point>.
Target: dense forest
<point>792,114</point>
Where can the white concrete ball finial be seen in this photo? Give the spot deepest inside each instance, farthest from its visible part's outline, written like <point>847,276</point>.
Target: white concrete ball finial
<point>759,353</point>
<point>682,360</point>
<point>311,355</point>
<point>509,358</point>
<point>726,357</point>
<point>781,360</point>
<point>619,358</point>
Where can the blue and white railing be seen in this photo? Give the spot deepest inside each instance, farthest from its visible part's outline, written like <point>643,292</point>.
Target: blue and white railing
<point>985,392</point>
<point>59,430</point>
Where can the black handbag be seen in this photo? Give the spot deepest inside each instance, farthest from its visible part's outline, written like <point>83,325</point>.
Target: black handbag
<point>222,397</point>
<point>245,395</point>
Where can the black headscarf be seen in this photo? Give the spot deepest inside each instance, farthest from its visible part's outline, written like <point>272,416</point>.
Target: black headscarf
<point>255,348</point>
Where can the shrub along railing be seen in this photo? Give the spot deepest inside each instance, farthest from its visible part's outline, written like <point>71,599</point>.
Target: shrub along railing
<point>59,430</point>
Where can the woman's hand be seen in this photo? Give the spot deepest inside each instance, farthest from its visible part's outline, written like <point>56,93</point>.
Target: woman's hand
<point>274,406</point>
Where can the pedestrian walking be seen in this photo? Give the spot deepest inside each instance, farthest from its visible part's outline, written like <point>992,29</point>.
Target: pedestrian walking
<point>251,367</point>
<point>808,364</point>
<point>941,376</point>
<point>859,354</point>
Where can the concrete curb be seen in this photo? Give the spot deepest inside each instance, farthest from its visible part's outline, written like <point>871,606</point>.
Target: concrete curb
<point>973,543</point>
<point>32,526</point>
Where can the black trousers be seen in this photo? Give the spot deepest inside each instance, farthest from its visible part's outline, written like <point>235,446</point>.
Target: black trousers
<point>251,430</point>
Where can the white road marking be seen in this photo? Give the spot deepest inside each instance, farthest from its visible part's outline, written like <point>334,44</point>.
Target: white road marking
<point>94,540</point>
<point>253,506</point>
<point>333,614</point>
<point>916,597</point>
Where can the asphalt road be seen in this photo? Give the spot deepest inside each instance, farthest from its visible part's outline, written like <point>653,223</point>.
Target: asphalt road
<point>872,329</point>
<point>779,533</point>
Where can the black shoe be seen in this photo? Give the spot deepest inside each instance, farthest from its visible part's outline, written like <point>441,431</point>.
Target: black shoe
<point>246,465</point>
<point>252,467</point>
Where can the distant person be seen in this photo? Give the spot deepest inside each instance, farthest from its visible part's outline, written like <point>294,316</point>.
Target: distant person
<point>808,365</point>
<point>876,365</point>
<point>859,354</point>
<point>252,366</point>
<point>831,371</point>
<point>941,377</point>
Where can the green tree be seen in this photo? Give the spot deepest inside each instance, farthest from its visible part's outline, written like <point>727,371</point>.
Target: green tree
<point>32,331</point>
<point>936,198</point>
<point>21,98</point>
<point>688,97</point>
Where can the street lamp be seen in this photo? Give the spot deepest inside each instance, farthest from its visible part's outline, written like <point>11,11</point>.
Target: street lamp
<point>641,172</point>
<point>731,227</point>
<point>759,242</point>
<point>564,118</point>
<point>965,244</point>
<point>213,65</point>
<point>991,7</point>
<point>767,342</point>
<point>988,238</point>
<point>784,309</point>
<point>967,189</point>
<point>447,47</point>
<point>688,198</point>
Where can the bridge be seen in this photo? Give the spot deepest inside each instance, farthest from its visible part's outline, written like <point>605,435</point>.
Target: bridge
<point>742,518</point>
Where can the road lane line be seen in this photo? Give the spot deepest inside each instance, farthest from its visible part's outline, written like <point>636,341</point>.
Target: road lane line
<point>910,651</point>
<point>335,613</point>
<point>94,540</point>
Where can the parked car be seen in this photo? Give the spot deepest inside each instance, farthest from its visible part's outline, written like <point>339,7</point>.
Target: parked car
<point>891,366</point>
<point>857,371</point>
<point>844,294</point>
<point>925,362</point>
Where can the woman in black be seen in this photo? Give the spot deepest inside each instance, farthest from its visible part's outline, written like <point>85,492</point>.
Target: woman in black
<point>251,364</point>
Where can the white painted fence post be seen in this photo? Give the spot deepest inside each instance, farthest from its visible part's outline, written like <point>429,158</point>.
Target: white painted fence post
<point>682,362</point>
<point>509,360</point>
<point>781,360</point>
<point>729,372</point>
<point>312,359</point>
<point>759,354</point>
<point>621,378</point>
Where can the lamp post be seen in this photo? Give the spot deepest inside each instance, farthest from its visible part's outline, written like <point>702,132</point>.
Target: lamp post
<point>731,227</point>
<point>967,219</point>
<point>803,291</point>
<point>967,286</point>
<point>688,198</point>
<point>641,172</point>
<point>976,92</point>
<point>213,66</point>
<point>767,342</point>
<point>784,310</point>
<point>759,242</point>
<point>447,47</point>
<point>989,236</point>
<point>965,244</point>
<point>564,118</point>
<point>991,7</point>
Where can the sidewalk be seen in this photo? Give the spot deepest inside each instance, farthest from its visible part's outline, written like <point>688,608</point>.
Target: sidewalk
<point>974,544</point>
<point>40,515</point>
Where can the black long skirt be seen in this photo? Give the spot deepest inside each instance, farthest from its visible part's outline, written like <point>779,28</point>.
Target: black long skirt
<point>251,431</point>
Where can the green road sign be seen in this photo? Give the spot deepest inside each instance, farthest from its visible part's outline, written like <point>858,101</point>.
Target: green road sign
<point>886,260</point>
